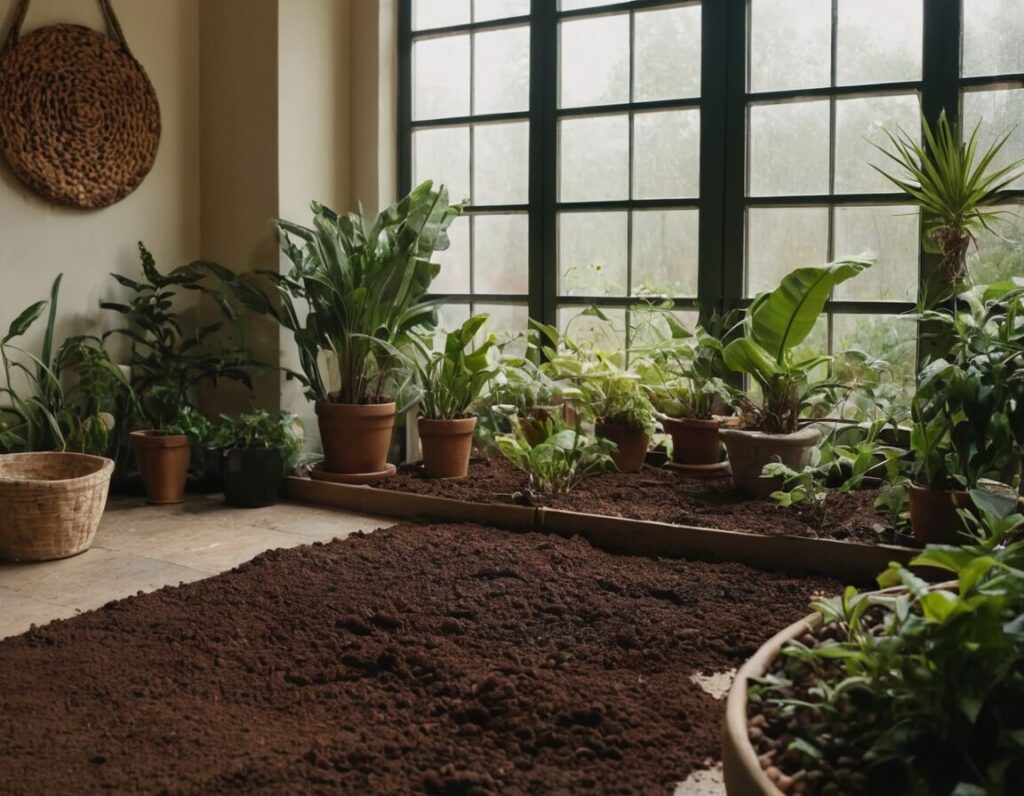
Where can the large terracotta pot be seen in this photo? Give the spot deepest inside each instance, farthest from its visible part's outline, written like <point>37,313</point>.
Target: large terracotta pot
<point>163,460</point>
<point>933,516</point>
<point>750,451</point>
<point>631,441</point>
<point>693,441</point>
<point>355,437</point>
<point>447,445</point>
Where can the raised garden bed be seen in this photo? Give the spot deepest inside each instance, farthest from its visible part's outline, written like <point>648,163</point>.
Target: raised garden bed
<point>444,659</point>
<point>654,512</point>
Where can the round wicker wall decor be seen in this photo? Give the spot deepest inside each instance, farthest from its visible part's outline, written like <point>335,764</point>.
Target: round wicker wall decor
<point>79,119</point>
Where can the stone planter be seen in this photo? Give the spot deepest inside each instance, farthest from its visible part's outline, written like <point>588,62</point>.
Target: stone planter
<point>750,451</point>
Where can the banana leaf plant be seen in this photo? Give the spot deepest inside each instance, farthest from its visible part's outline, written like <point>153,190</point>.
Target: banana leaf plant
<point>955,183</point>
<point>775,324</point>
<point>357,289</point>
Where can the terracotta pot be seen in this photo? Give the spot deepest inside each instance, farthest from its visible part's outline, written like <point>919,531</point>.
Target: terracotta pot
<point>163,460</point>
<point>632,442</point>
<point>355,437</point>
<point>693,441</point>
<point>533,426</point>
<point>446,446</point>
<point>933,516</point>
<point>750,451</point>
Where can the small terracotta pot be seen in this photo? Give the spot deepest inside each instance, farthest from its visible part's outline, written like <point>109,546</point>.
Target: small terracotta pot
<point>163,460</point>
<point>533,426</point>
<point>693,441</point>
<point>355,437</point>
<point>933,516</point>
<point>446,446</point>
<point>750,451</point>
<point>632,442</point>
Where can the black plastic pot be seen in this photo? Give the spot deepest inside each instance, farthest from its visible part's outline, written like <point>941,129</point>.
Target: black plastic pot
<point>253,477</point>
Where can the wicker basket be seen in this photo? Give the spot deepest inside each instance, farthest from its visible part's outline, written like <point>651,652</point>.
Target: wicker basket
<point>50,503</point>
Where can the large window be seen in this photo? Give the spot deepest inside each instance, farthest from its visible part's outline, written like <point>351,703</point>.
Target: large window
<point>615,151</point>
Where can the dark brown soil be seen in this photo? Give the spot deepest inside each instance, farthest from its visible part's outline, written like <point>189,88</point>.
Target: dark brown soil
<point>424,658</point>
<point>665,496</point>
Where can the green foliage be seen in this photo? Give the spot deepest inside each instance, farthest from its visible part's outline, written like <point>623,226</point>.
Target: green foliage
<point>969,409</point>
<point>560,461</point>
<point>450,380</point>
<point>618,396</point>
<point>682,371</point>
<point>260,429</point>
<point>364,281</point>
<point>775,324</point>
<point>955,186</point>
<point>168,363</point>
<point>922,688</point>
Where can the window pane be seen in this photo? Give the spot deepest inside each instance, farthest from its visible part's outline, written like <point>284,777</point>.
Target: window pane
<point>666,57</point>
<point>993,37</point>
<point>860,123</point>
<point>439,13</point>
<point>505,320</point>
<point>501,153</point>
<point>595,333</point>
<point>592,253</point>
<point>502,63</point>
<point>878,41</point>
<point>593,158</point>
<point>500,252</point>
<point>790,44</point>
<point>594,61</point>
<point>441,154</point>
<point>889,338</point>
<point>449,318</point>
<point>1000,113</point>
<point>484,10</point>
<point>665,252</point>
<point>575,5</point>
<point>666,154</point>
<point>780,239</point>
<point>1000,252</point>
<point>814,345</point>
<point>789,148</point>
<point>454,261</point>
<point>890,235</point>
<point>440,69</point>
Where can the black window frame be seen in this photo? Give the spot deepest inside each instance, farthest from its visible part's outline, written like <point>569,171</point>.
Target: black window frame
<point>723,101</point>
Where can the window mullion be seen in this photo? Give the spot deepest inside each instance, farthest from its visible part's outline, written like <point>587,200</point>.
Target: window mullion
<point>543,153</point>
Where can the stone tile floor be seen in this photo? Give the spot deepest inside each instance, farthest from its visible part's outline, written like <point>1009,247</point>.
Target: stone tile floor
<point>141,548</point>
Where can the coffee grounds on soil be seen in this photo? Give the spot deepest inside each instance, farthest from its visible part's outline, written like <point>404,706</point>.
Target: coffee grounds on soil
<point>665,496</point>
<point>451,659</point>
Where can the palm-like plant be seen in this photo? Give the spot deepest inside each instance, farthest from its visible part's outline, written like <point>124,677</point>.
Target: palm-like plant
<point>954,183</point>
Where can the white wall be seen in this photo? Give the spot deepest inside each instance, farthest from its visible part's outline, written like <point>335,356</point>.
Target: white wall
<point>39,239</point>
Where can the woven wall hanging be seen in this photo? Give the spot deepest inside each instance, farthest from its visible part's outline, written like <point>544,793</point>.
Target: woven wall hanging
<point>79,119</point>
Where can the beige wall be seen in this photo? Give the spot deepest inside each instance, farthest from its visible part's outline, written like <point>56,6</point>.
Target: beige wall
<point>39,239</point>
<point>266,105</point>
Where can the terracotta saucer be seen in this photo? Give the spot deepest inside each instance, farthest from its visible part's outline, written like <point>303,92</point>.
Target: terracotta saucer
<point>707,471</point>
<point>319,474</point>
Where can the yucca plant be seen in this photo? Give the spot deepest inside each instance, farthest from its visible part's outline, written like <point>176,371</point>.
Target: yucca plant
<point>955,184</point>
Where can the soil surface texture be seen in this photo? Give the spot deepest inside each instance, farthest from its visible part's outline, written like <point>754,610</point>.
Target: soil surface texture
<point>448,659</point>
<point>665,496</point>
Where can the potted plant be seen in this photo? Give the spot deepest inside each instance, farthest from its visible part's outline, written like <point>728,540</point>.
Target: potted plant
<point>164,455</point>
<point>259,449</point>
<point>364,281</point>
<point>954,185</point>
<point>624,415</point>
<point>774,325</point>
<point>450,381</point>
<point>912,689</point>
<point>682,372</point>
<point>968,412</point>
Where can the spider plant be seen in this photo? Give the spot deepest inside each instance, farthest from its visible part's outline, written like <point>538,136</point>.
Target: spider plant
<point>955,183</point>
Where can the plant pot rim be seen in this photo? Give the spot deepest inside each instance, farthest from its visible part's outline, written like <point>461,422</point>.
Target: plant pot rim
<point>629,426</point>
<point>694,422</point>
<point>156,439</point>
<point>103,467</point>
<point>804,436</point>
<point>922,489</point>
<point>383,408</point>
<point>329,402</point>
<point>440,423</point>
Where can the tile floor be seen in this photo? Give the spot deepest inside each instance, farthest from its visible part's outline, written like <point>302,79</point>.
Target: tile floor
<point>141,548</point>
